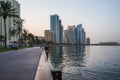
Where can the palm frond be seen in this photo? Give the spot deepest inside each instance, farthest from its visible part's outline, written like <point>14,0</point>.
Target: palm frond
<point>13,32</point>
<point>7,9</point>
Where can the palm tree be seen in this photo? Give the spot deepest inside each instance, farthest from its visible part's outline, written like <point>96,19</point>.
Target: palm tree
<point>18,22</point>
<point>31,39</point>
<point>37,40</point>
<point>1,38</point>
<point>7,10</point>
<point>25,35</point>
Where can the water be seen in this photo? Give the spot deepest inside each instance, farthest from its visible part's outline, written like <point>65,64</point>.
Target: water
<point>87,63</point>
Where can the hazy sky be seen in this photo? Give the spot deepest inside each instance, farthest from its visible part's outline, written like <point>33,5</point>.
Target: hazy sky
<point>100,18</point>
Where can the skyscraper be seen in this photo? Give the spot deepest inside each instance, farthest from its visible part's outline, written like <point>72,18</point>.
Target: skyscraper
<point>61,31</point>
<point>75,35</point>
<point>88,41</point>
<point>9,22</point>
<point>80,34</point>
<point>66,36</point>
<point>48,35</point>
<point>69,35</point>
<point>56,28</point>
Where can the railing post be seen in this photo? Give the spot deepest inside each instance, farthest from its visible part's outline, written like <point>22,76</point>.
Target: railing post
<point>57,74</point>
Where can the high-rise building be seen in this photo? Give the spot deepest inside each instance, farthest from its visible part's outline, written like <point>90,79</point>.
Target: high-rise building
<point>75,35</point>
<point>61,31</point>
<point>66,36</point>
<point>71,27</point>
<point>79,34</point>
<point>83,36</point>
<point>87,40</point>
<point>57,28</point>
<point>9,23</point>
<point>49,36</point>
<point>69,35</point>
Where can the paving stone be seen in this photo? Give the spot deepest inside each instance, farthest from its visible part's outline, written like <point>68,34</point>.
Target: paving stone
<point>19,64</point>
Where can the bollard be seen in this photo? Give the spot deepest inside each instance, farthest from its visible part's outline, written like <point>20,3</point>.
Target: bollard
<point>57,74</point>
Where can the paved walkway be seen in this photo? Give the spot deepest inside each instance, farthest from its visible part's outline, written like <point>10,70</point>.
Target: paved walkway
<point>43,71</point>
<point>19,64</point>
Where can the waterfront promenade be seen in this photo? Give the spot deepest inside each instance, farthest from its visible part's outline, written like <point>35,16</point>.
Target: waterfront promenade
<point>43,71</point>
<point>22,64</point>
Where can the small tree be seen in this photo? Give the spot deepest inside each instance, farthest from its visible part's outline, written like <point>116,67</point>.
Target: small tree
<point>31,39</point>
<point>18,22</point>
<point>25,36</point>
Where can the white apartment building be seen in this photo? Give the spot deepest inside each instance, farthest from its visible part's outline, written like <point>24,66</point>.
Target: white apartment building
<point>9,23</point>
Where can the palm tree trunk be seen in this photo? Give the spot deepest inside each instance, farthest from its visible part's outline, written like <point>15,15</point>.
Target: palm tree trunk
<point>19,39</point>
<point>5,33</point>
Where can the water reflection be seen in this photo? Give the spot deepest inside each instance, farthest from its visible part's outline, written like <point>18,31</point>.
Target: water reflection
<point>70,59</point>
<point>87,62</point>
<point>74,55</point>
<point>56,56</point>
<point>73,61</point>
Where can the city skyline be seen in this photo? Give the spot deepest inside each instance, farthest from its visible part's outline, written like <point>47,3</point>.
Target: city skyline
<point>99,17</point>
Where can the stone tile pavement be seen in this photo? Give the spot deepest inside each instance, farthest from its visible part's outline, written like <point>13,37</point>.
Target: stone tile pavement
<point>19,64</point>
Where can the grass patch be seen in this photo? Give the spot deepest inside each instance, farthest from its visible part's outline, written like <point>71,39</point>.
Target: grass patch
<point>4,49</point>
<point>23,47</point>
<point>9,49</point>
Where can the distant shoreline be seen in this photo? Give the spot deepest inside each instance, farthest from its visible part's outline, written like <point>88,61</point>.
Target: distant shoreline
<point>104,44</point>
<point>91,44</point>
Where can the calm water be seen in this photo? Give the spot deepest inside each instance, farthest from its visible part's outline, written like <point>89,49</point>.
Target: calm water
<point>87,63</point>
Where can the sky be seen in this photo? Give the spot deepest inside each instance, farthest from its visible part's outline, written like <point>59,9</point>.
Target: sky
<point>100,18</point>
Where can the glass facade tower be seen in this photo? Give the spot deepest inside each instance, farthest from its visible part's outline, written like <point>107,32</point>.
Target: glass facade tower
<point>75,35</point>
<point>56,28</point>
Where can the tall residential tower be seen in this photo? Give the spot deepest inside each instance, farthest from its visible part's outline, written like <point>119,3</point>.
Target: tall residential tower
<point>57,28</point>
<point>9,22</point>
<point>75,35</point>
